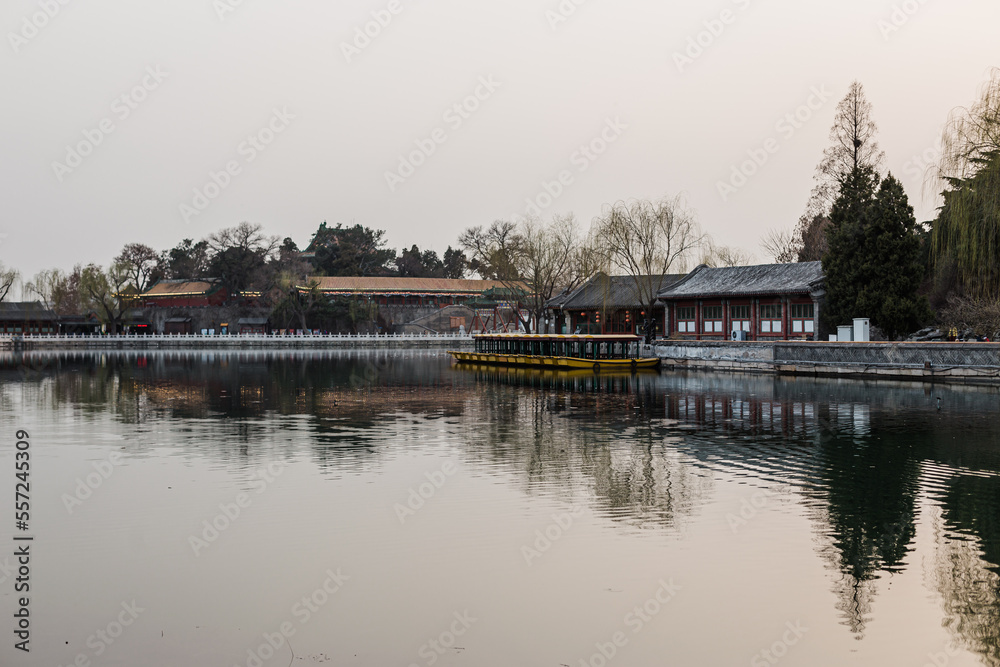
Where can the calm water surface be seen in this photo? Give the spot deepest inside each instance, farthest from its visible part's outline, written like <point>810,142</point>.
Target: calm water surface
<point>380,508</point>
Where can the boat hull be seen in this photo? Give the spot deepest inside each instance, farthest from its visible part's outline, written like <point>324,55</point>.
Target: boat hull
<point>555,363</point>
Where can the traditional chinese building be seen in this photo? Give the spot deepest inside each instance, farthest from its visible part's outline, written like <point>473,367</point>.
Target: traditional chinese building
<point>399,302</point>
<point>195,306</point>
<point>609,304</point>
<point>183,294</point>
<point>766,302</point>
<point>389,290</point>
<point>27,317</point>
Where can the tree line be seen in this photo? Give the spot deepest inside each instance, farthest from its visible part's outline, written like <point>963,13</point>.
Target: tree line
<point>533,258</point>
<point>878,260</point>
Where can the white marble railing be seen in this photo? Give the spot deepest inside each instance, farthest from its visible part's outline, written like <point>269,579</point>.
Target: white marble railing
<point>260,337</point>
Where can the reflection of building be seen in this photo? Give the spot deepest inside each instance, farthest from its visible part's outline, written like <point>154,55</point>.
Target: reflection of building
<point>27,317</point>
<point>767,302</point>
<point>609,304</point>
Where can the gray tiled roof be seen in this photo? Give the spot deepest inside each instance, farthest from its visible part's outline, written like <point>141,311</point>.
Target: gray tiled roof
<point>603,291</point>
<point>34,311</point>
<point>705,281</point>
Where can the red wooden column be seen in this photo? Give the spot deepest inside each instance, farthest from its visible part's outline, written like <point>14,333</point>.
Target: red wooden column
<point>698,322</point>
<point>727,324</point>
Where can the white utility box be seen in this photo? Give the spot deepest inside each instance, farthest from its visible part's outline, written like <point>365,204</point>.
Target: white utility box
<point>845,334</point>
<point>862,329</point>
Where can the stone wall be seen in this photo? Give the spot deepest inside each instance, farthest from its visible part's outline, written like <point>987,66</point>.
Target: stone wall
<point>955,362</point>
<point>205,317</point>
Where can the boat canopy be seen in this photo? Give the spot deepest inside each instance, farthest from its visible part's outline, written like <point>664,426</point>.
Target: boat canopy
<point>601,338</point>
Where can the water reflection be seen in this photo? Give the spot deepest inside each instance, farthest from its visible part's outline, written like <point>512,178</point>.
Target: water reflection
<point>873,465</point>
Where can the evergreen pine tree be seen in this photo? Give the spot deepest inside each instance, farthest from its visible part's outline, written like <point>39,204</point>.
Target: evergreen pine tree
<point>892,249</point>
<point>844,239</point>
<point>874,268</point>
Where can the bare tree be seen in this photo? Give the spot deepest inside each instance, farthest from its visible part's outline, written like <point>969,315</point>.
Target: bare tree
<point>533,258</point>
<point>492,250</point>
<point>720,255</point>
<point>852,145</point>
<point>548,260</point>
<point>245,236</point>
<point>780,245</point>
<point>648,239</point>
<point>8,278</point>
<point>140,262</point>
<point>240,257</point>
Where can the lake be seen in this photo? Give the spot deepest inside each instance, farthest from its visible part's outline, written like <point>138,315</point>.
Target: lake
<point>388,508</point>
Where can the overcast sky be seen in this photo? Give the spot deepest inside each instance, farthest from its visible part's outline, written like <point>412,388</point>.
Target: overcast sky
<point>116,112</point>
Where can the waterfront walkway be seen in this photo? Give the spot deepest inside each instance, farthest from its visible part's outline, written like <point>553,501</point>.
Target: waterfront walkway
<point>974,363</point>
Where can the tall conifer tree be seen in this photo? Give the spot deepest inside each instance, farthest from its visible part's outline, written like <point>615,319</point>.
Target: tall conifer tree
<point>873,267</point>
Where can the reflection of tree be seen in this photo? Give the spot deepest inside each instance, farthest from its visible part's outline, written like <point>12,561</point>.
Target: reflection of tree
<point>581,434</point>
<point>349,400</point>
<point>968,559</point>
<point>639,449</point>
<point>871,485</point>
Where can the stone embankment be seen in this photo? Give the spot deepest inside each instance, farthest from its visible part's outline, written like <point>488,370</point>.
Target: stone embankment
<point>924,361</point>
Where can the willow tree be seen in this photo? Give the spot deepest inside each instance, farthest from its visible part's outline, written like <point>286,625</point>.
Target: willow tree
<point>648,240</point>
<point>967,230</point>
<point>107,294</point>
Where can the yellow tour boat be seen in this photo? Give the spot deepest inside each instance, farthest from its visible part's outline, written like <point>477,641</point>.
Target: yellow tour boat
<point>558,351</point>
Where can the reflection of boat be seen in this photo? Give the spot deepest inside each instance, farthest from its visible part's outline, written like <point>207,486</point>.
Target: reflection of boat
<point>576,379</point>
<point>558,352</point>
